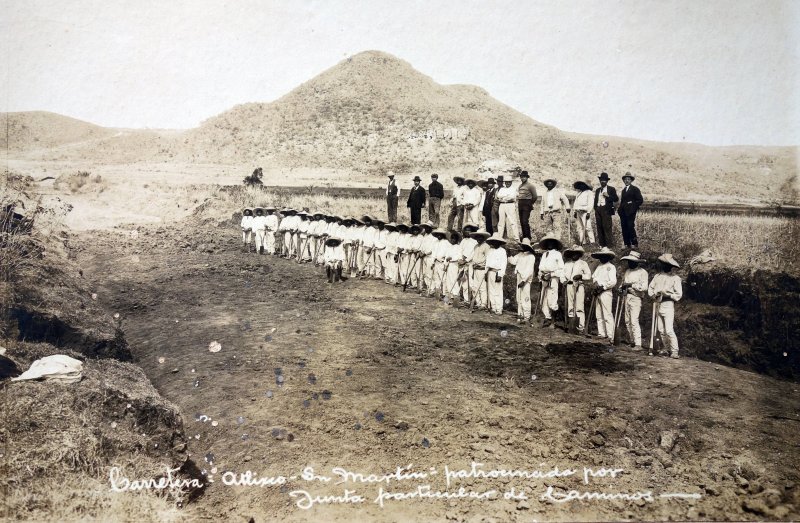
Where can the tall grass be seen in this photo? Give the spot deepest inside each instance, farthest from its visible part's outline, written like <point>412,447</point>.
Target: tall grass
<point>737,241</point>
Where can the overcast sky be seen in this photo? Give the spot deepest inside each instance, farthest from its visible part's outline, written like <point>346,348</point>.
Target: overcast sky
<point>713,72</point>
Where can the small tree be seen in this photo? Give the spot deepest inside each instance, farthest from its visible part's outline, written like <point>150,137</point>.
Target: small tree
<point>255,178</point>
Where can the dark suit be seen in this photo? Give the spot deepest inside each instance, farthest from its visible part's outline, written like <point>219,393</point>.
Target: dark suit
<point>488,205</point>
<point>629,202</point>
<point>416,201</point>
<point>391,201</point>
<point>604,211</point>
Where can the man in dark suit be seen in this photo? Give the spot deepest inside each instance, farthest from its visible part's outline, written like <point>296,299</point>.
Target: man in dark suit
<point>604,198</point>
<point>488,204</point>
<point>416,201</point>
<point>435,196</point>
<point>629,202</point>
<point>391,198</point>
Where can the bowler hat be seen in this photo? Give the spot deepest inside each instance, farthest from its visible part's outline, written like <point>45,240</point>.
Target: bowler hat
<point>603,177</point>
<point>628,175</point>
<point>416,179</point>
<point>524,174</point>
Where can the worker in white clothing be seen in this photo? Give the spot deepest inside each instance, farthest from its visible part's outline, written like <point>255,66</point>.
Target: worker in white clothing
<point>507,197</point>
<point>414,250</point>
<point>496,263</point>
<point>272,228</point>
<point>334,259</point>
<point>604,279</point>
<point>468,244</point>
<point>666,289</point>
<point>578,275</point>
<point>440,252</point>
<point>524,263</point>
<point>478,261</point>
<point>390,253</point>
<point>402,253</point>
<point>582,208</point>
<point>259,225</point>
<point>451,259</point>
<point>472,203</point>
<point>551,273</point>
<point>633,287</point>
<point>247,228</point>
<point>378,257</point>
<point>426,246</point>
<point>554,209</point>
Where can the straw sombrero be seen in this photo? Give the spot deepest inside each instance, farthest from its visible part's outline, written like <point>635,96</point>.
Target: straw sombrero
<point>605,252</point>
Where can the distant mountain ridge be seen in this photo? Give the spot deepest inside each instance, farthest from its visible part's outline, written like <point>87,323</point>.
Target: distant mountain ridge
<point>373,112</point>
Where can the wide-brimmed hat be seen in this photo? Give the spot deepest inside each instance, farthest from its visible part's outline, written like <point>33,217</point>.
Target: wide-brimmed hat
<point>455,234</point>
<point>414,228</point>
<point>439,232</point>
<point>469,180</point>
<point>581,186</point>
<point>367,218</point>
<point>269,208</point>
<point>496,238</point>
<point>390,173</point>
<point>416,179</point>
<point>402,227</point>
<point>470,227</point>
<point>550,180</point>
<point>605,252</point>
<point>347,220</point>
<point>480,233</point>
<point>525,245</point>
<point>628,175</point>
<point>378,221</point>
<point>525,174</point>
<point>575,248</point>
<point>550,238</point>
<point>332,241</point>
<point>634,257</point>
<point>500,178</point>
<point>603,177</point>
<point>491,180</point>
<point>668,259</point>
<point>390,225</point>
<point>246,210</point>
<point>428,225</point>
<point>255,209</point>
<point>357,221</point>
<point>458,178</point>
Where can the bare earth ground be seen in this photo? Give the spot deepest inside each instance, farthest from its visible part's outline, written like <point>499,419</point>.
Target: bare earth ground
<point>375,378</point>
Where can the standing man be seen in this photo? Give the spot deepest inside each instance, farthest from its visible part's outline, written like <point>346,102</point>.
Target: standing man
<point>457,204</point>
<point>435,196</point>
<point>488,205</point>
<point>554,208</point>
<point>666,289</point>
<point>507,196</point>
<point>496,206</point>
<point>629,203</point>
<point>604,198</point>
<point>526,197</point>
<point>472,203</point>
<point>604,279</point>
<point>582,212</point>
<point>416,201</point>
<point>634,285</point>
<point>392,194</point>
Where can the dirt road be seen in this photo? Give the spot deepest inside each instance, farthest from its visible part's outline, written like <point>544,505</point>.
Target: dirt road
<point>363,376</point>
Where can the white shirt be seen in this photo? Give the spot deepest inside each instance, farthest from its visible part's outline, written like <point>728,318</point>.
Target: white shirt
<point>552,263</point>
<point>259,223</point>
<point>583,201</point>
<point>572,269</point>
<point>668,284</point>
<point>497,259</point>
<point>334,254</point>
<point>272,222</point>
<point>473,196</point>
<point>554,200</point>
<point>525,263</point>
<point>637,278</point>
<point>247,222</point>
<point>442,250</point>
<point>428,244</point>
<point>467,248</point>
<point>605,276</point>
<point>391,242</point>
<point>460,192</point>
<point>506,194</point>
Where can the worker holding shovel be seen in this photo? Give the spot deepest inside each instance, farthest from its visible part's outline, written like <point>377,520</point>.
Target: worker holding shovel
<point>524,263</point>
<point>666,289</point>
<point>604,279</point>
<point>577,274</point>
<point>634,285</point>
<point>551,272</point>
<point>496,263</point>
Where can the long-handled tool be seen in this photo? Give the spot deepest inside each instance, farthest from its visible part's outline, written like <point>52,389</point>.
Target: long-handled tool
<point>621,299</point>
<point>573,328</point>
<point>566,312</point>
<point>591,313</point>
<point>411,269</point>
<point>398,257</point>
<point>653,324</point>
<point>477,293</point>
<point>538,304</point>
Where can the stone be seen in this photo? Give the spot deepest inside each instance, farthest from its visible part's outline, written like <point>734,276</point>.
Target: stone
<point>523,505</point>
<point>668,438</point>
<point>598,440</point>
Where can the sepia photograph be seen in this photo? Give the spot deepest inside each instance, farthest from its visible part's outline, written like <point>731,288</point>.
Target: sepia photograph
<point>400,261</point>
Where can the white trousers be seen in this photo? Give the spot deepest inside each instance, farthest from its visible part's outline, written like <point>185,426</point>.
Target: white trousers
<point>584,227</point>
<point>495,293</point>
<point>472,216</point>
<point>261,240</point>
<point>247,237</point>
<point>523,300</point>
<point>427,271</point>
<point>665,317</point>
<point>466,283</point>
<point>553,223</point>
<point>575,304</point>
<point>633,306</point>
<point>451,275</point>
<point>438,277</point>
<point>479,288</point>
<point>269,242</point>
<point>604,314</point>
<point>287,243</point>
<point>390,267</point>
<point>550,304</point>
<point>375,263</point>
<point>508,221</point>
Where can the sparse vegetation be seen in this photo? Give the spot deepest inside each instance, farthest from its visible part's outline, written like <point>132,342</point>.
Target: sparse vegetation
<point>255,178</point>
<point>81,181</point>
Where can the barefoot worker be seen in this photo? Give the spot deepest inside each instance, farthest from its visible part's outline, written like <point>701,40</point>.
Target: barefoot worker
<point>247,228</point>
<point>524,263</point>
<point>604,279</point>
<point>578,275</point>
<point>634,285</point>
<point>551,272</point>
<point>666,289</point>
<point>496,263</point>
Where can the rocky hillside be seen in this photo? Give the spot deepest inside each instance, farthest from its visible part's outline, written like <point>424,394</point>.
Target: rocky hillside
<point>43,130</point>
<point>373,112</point>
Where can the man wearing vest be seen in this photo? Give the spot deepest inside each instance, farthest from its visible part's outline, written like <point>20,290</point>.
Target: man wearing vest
<point>435,197</point>
<point>629,203</point>
<point>604,198</point>
<point>526,197</point>
<point>392,195</point>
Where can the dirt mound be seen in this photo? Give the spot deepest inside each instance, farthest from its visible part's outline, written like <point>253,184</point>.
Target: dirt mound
<point>61,442</point>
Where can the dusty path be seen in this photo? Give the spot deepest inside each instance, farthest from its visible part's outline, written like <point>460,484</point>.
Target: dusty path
<point>374,378</point>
